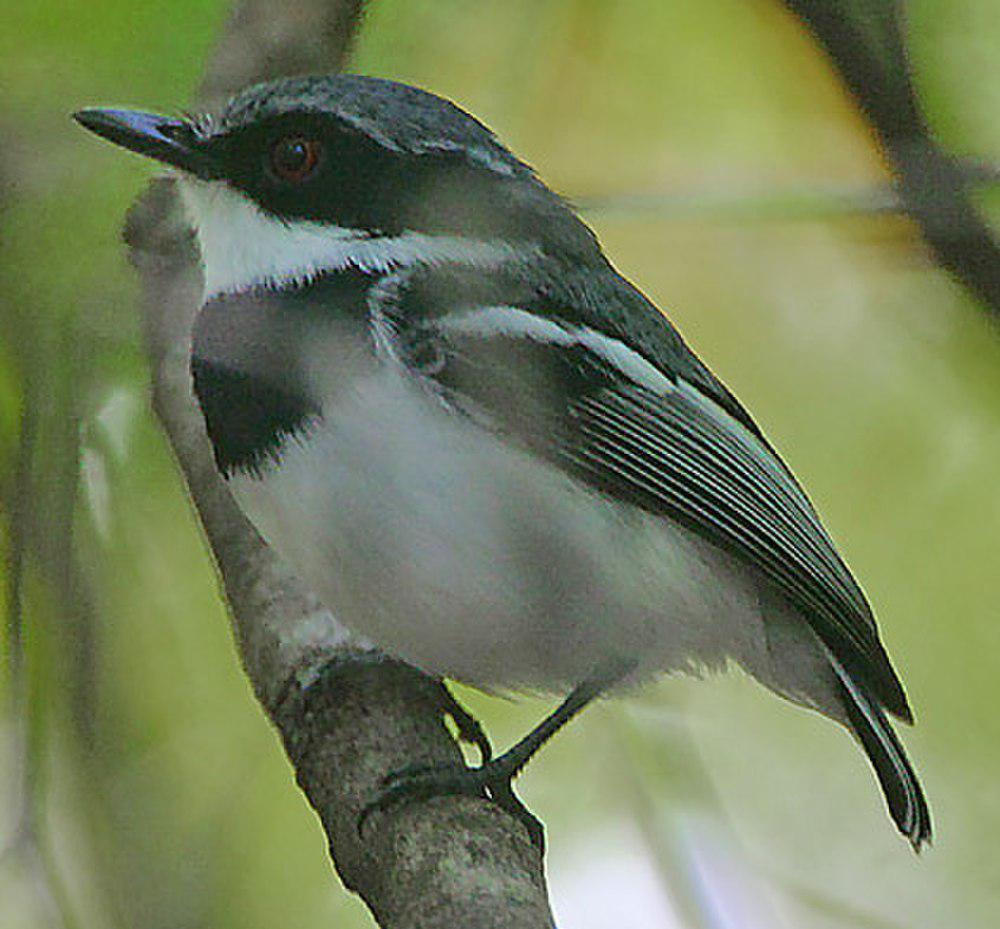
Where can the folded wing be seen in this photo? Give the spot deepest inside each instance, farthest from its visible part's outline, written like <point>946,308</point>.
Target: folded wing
<point>641,432</point>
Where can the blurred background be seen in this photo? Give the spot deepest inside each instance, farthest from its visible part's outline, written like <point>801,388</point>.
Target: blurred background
<point>713,149</point>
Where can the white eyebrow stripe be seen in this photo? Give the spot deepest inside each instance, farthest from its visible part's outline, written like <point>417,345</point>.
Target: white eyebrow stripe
<point>243,248</point>
<point>515,322</point>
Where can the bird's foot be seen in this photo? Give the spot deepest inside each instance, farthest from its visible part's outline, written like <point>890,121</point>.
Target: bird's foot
<point>491,780</point>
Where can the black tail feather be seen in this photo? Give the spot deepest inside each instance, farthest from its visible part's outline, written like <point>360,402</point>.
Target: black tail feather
<point>903,793</point>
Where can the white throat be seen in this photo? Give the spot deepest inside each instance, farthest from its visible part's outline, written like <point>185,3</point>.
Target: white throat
<point>243,248</point>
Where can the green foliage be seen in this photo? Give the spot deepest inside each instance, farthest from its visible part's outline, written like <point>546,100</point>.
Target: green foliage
<point>157,794</point>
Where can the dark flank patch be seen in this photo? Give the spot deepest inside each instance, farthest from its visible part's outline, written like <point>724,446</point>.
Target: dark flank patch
<point>249,421</point>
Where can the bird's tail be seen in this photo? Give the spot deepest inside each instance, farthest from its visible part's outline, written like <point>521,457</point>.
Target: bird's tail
<point>903,793</point>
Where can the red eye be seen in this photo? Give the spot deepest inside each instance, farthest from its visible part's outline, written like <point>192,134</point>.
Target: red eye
<point>295,157</point>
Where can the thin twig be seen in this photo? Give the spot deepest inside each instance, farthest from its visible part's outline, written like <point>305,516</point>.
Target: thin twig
<point>792,204</point>
<point>864,40</point>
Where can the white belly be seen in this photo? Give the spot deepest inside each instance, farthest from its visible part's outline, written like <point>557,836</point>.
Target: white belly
<point>476,561</point>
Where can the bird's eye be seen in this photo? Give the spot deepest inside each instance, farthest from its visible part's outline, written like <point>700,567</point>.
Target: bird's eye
<point>294,158</point>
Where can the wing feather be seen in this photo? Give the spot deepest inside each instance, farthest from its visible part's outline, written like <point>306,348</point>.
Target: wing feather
<point>713,479</point>
<point>654,439</point>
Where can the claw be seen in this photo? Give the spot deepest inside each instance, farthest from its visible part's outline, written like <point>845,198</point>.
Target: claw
<point>469,729</point>
<point>490,781</point>
<point>419,782</point>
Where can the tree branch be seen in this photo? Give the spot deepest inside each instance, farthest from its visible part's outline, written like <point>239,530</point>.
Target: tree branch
<point>864,40</point>
<point>347,717</point>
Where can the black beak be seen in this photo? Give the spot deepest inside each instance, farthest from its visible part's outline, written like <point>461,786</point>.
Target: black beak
<point>171,141</point>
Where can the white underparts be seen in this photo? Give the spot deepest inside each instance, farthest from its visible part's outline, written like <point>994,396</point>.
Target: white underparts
<point>243,248</point>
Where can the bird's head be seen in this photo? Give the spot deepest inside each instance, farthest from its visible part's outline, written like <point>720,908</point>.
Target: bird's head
<point>302,176</point>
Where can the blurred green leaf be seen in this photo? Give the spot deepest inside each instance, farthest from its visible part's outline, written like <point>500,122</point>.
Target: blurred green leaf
<point>869,369</point>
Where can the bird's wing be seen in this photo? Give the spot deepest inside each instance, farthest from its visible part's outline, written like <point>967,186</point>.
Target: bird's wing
<point>642,433</point>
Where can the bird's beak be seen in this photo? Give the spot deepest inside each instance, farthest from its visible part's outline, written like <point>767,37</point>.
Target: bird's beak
<point>171,141</point>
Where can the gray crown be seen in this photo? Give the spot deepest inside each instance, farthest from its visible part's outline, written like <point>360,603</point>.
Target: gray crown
<point>399,117</point>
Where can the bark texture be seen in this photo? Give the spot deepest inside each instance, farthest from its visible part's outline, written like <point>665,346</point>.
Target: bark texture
<point>347,717</point>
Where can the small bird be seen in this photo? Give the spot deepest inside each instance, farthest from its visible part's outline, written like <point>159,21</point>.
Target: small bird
<point>486,451</point>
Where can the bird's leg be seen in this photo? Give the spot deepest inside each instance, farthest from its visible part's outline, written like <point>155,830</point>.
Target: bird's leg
<point>494,776</point>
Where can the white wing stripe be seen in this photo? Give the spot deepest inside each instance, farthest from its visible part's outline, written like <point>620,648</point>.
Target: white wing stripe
<point>514,322</point>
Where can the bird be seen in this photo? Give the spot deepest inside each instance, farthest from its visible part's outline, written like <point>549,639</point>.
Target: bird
<point>487,452</point>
